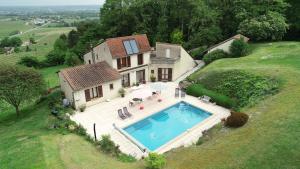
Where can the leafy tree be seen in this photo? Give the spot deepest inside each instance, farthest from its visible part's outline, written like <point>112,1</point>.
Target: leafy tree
<point>55,57</point>
<point>61,44</point>
<point>19,85</point>
<point>155,161</point>
<point>177,37</point>
<point>72,38</point>
<point>72,59</point>
<point>239,48</point>
<point>15,41</point>
<point>293,19</point>
<point>271,26</point>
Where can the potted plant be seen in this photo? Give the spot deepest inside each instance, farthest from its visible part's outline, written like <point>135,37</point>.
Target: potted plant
<point>152,78</point>
<point>122,92</point>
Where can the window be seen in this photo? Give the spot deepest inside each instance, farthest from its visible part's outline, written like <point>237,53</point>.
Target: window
<point>89,61</point>
<point>140,59</point>
<point>126,80</point>
<point>111,86</point>
<point>95,92</point>
<point>130,47</point>
<point>123,62</point>
<point>168,53</point>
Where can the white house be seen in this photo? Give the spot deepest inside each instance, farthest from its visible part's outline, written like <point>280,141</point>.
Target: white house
<point>225,45</point>
<point>87,85</point>
<point>122,62</point>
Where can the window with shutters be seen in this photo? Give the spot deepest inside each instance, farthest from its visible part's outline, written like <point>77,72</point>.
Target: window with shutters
<point>93,93</point>
<point>124,62</point>
<point>140,59</point>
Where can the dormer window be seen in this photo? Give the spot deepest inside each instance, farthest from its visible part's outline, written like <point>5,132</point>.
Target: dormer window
<point>168,53</point>
<point>130,47</point>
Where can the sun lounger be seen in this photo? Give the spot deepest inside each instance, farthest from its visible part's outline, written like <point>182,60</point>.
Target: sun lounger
<point>176,92</point>
<point>126,112</point>
<point>205,99</point>
<point>121,115</point>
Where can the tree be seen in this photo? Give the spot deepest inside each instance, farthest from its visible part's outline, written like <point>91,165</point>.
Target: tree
<point>29,61</point>
<point>19,85</point>
<point>239,48</point>
<point>177,37</point>
<point>55,57</point>
<point>73,38</point>
<point>271,26</point>
<point>15,42</point>
<point>72,59</point>
<point>32,40</point>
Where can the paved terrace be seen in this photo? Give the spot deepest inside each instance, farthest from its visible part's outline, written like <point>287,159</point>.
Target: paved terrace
<point>104,115</point>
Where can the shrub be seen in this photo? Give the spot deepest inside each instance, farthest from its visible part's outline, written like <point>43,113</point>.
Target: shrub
<point>126,158</point>
<point>72,59</point>
<point>214,55</point>
<point>55,57</point>
<point>29,61</point>
<point>198,53</point>
<point>107,145</point>
<point>155,161</point>
<point>239,48</point>
<point>246,88</point>
<point>236,119</point>
<point>198,90</point>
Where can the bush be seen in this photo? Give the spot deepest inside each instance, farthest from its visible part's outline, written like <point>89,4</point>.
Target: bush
<point>246,88</point>
<point>198,90</point>
<point>239,48</point>
<point>29,62</point>
<point>236,120</point>
<point>214,55</point>
<point>198,53</point>
<point>155,161</point>
<point>126,158</point>
<point>107,145</point>
<point>72,59</point>
<point>55,57</point>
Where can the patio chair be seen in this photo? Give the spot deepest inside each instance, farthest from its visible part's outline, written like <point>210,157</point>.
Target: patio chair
<point>176,92</point>
<point>206,99</point>
<point>121,115</point>
<point>182,94</point>
<point>126,112</point>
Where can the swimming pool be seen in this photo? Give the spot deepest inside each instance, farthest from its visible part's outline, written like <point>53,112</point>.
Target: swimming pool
<point>162,127</point>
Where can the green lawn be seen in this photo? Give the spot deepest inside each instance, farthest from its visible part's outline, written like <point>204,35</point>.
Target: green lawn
<point>50,75</point>
<point>7,26</point>
<point>270,140</point>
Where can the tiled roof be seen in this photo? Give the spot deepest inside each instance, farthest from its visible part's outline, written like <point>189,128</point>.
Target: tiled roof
<point>117,48</point>
<point>85,76</point>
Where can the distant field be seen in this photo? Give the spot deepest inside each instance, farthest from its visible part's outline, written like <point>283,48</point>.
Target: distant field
<point>7,26</point>
<point>45,38</point>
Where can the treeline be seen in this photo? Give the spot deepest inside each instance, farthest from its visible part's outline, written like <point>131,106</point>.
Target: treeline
<point>192,23</point>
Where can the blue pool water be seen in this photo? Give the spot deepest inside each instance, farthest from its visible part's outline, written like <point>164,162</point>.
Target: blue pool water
<point>160,128</point>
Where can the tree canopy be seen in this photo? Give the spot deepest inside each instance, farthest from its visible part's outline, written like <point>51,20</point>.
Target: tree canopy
<point>19,85</point>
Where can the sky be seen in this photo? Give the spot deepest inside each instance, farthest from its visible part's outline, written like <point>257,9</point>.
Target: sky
<point>49,2</point>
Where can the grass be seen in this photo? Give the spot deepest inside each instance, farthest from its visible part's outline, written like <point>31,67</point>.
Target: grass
<point>270,139</point>
<point>50,75</point>
<point>45,38</point>
<point>7,26</point>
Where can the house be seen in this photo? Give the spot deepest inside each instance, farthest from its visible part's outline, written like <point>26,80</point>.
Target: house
<point>90,84</point>
<point>129,55</point>
<point>122,62</point>
<point>169,62</point>
<point>225,45</point>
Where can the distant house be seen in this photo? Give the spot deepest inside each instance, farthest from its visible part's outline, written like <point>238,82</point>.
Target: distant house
<point>122,62</point>
<point>39,21</point>
<point>9,50</point>
<point>225,45</point>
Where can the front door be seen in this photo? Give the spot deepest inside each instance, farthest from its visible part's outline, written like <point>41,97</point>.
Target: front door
<point>126,80</point>
<point>140,76</point>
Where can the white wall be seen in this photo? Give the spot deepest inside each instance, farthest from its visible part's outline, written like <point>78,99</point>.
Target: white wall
<point>66,88</point>
<point>185,64</point>
<point>102,53</point>
<point>225,46</point>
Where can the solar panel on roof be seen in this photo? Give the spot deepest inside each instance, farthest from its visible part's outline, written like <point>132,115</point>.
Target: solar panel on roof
<point>128,47</point>
<point>134,46</point>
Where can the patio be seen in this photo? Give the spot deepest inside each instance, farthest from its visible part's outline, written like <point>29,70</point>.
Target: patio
<point>104,115</point>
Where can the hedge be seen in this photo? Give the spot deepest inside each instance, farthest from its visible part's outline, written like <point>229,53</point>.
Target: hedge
<point>214,55</point>
<point>198,90</point>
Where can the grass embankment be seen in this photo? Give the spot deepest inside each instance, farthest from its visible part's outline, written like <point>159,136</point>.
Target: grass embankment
<point>7,26</point>
<point>270,139</point>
